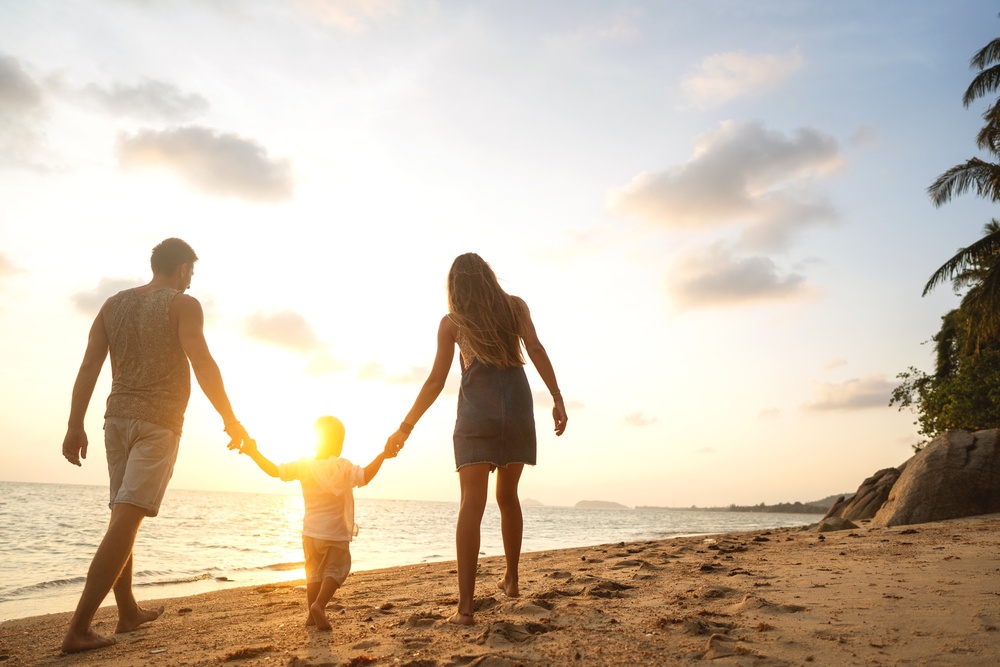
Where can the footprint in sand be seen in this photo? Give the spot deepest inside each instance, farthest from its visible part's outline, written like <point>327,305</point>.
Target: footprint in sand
<point>752,602</point>
<point>504,633</point>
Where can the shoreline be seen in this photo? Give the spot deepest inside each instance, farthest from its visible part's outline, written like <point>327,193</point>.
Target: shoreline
<point>923,594</point>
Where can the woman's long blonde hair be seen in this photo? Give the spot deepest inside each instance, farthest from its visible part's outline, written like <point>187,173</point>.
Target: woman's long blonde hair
<point>487,317</point>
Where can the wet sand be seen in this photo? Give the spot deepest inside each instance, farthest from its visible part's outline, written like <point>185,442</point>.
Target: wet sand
<point>918,595</point>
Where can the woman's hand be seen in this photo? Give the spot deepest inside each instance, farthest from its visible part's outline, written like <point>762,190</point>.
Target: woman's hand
<point>559,415</point>
<point>395,443</point>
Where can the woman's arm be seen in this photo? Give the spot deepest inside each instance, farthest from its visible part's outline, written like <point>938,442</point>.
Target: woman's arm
<point>540,358</point>
<point>446,337</point>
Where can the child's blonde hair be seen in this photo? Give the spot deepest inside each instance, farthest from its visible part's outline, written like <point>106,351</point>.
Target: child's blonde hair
<point>331,436</point>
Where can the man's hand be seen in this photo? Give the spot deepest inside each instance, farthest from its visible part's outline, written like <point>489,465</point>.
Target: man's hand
<point>238,435</point>
<point>75,446</point>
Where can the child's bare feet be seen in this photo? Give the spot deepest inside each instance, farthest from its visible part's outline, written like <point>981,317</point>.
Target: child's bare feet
<point>74,643</point>
<point>318,614</point>
<point>509,588</point>
<point>132,621</point>
<point>462,618</point>
<point>309,617</point>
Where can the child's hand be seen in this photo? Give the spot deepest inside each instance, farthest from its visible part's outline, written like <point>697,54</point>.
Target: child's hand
<point>392,447</point>
<point>249,446</point>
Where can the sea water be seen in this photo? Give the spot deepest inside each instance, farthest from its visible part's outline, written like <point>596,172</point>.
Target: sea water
<point>207,540</point>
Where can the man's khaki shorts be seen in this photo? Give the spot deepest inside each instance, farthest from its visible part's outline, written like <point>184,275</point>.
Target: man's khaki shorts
<point>141,460</point>
<point>326,559</point>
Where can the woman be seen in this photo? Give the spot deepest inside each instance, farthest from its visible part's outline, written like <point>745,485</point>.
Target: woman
<point>495,426</point>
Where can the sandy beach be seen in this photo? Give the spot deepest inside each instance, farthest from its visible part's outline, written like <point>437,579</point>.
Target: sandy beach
<point>921,595</point>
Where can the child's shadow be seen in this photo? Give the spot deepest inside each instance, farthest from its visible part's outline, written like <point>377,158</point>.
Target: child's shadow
<point>319,653</point>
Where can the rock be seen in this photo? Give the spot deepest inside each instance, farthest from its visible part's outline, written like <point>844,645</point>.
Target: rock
<point>833,523</point>
<point>870,497</point>
<point>956,475</point>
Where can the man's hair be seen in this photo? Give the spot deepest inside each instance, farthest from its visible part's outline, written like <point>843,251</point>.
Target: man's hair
<point>170,254</point>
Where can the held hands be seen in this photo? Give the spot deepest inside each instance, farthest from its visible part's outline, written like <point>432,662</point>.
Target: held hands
<point>395,443</point>
<point>237,434</point>
<point>74,446</point>
<point>249,447</point>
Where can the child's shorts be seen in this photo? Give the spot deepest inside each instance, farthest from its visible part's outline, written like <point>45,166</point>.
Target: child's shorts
<point>325,558</point>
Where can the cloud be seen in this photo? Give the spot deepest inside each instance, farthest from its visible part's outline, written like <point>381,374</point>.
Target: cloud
<point>836,363</point>
<point>739,173</point>
<point>723,77</point>
<point>415,376</point>
<point>214,162</point>
<point>19,93</point>
<point>89,302</point>
<point>324,363</point>
<point>287,329</point>
<point>347,15</point>
<point>714,276</point>
<point>22,102</point>
<point>7,267</point>
<point>856,394</point>
<point>639,419</point>
<point>769,413</point>
<point>150,99</point>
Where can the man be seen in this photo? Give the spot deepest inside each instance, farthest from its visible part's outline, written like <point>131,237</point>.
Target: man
<point>151,332</point>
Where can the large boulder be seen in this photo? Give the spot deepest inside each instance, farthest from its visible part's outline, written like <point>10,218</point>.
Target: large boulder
<point>870,497</point>
<point>956,475</point>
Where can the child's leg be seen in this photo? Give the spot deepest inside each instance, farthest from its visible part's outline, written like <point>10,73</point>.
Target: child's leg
<point>312,590</point>
<point>511,525</point>
<point>318,606</point>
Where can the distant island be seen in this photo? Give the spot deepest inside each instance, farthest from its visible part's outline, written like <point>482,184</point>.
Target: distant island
<point>600,505</point>
<point>531,502</point>
<point>813,507</point>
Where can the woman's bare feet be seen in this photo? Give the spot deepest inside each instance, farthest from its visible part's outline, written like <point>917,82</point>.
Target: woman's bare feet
<point>509,588</point>
<point>132,621</point>
<point>318,614</point>
<point>462,618</point>
<point>88,641</point>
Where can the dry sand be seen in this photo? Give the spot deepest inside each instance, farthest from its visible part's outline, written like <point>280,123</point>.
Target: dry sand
<point>919,595</point>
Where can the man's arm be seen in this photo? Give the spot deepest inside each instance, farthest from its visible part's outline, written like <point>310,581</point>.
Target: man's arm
<point>250,449</point>
<point>191,332</point>
<point>74,445</point>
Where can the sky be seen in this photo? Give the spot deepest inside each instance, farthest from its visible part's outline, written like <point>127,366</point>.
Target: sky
<point>716,212</point>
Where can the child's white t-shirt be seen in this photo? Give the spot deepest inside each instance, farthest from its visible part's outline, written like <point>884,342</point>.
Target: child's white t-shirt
<point>328,491</point>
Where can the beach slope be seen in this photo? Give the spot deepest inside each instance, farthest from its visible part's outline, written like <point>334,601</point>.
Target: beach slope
<point>925,594</point>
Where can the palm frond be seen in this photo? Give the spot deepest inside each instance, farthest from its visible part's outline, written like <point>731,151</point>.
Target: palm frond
<point>945,344</point>
<point>989,137</point>
<point>986,81</point>
<point>983,254</point>
<point>982,305</point>
<point>984,176</point>
<point>986,55</point>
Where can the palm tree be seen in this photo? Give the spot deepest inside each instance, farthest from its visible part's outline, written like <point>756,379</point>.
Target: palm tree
<point>976,267</point>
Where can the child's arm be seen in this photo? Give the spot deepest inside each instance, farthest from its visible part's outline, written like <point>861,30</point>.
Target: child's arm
<point>250,449</point>
<point>372,468</point>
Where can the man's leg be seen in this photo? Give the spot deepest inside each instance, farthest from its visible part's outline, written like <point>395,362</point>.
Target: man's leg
<point>112,555</point>
<point>130,614</point>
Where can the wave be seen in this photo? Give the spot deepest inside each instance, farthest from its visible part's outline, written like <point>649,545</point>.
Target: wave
<point>26,591</point>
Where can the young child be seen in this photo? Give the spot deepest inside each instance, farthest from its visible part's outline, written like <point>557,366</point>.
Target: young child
<point>328,483</point>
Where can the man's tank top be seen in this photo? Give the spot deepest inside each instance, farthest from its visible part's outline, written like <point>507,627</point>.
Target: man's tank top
<point>151,377</point>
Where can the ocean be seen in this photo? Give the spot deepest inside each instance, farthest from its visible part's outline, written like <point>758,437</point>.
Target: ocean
<point>208,540</point>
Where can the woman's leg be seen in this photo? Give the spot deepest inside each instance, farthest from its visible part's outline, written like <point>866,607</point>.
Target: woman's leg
<point>511,524</point>
<point>474,480</point>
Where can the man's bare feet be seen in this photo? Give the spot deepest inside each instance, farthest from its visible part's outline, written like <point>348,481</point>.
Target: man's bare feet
<point>318,614</point>
<point>74,643</point>
<point>509,589</point>
<point>462,618</point>
<point>132,621</point>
